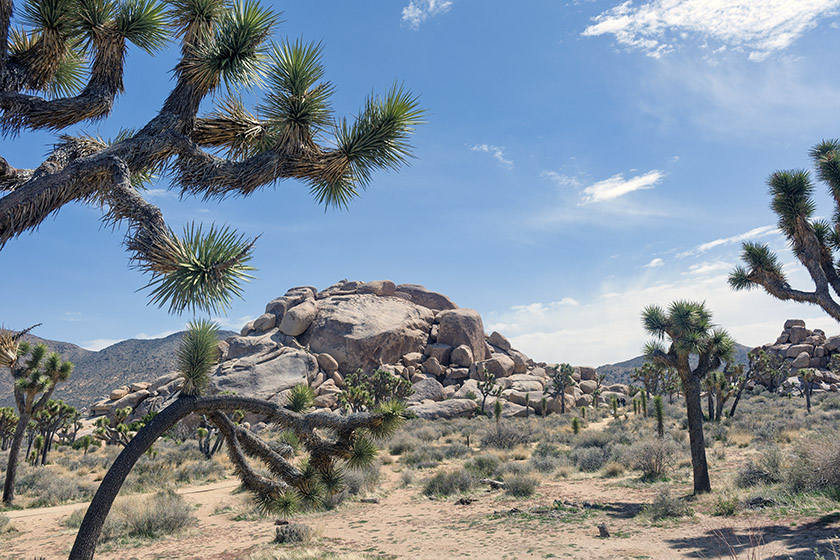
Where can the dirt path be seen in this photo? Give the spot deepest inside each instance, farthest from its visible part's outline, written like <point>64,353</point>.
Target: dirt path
<point>406,525</point>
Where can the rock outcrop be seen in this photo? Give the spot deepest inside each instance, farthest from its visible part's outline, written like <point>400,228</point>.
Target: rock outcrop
<point>318,337</point>
<point>802,348</point>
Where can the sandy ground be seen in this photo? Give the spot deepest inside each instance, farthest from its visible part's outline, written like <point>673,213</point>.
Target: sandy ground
<point>406,525</point>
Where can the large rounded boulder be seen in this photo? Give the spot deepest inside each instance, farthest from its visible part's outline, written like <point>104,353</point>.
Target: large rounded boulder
<point>365,330</point>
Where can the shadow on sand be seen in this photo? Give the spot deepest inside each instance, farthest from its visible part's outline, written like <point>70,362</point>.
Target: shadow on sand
<point>778,542</point>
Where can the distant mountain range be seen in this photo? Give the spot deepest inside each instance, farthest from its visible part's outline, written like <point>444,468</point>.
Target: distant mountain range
<point>97,373</point>
<point>620,372</point>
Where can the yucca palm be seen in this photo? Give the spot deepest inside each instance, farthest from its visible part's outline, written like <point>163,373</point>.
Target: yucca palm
<point>813,241</point>
<point>64,65</point>
<point>35,372</point>
<point>332,442</point>
<point>688,327</point>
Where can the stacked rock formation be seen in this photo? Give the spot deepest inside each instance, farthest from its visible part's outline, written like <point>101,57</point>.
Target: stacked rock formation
<point>804,348</point>
<point>318,337</point>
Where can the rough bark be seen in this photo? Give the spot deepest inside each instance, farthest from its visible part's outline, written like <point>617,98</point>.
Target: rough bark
<point>14,457</point>
<point>694,410</point>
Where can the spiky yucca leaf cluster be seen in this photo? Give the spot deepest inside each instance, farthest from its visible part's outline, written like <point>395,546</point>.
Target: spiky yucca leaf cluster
<point>200,271</point>
<point>301,398</point>
<point>689,327</point>
<point>197,354</point>
<point>813,241</point>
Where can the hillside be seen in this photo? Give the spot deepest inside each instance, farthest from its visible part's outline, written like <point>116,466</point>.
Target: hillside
<point>97,372</point>
<point>620,372</point>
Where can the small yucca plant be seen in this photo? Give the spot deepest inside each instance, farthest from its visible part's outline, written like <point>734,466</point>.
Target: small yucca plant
<point>198,353</point>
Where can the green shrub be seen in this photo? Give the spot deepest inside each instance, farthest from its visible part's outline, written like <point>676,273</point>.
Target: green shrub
<point>448,483</point>
<point>521,486</point>
<point>545,464</point>
<point>483,465</point>
<point>655,457</point>
<point>292,533</point>
<point>161,514</point>
<point>665,506</point>
<point>590,459</point>
<point>725,505</point>
<point>402,443</point>
<point>505,437</point>
<point>544,449</point>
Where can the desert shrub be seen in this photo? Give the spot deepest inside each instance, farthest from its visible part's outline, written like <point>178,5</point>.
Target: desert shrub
<point>455,450</point>
<point>768,470</point>
<point>427,432</point>
<point>423,457</point>
<point>545,464</point>
<point>725,505</point>
<point>74,520</point>
<point>449,482</point>
<point>816,465</point>
<point>512,468</point>
<point>292,533</point>
<point>4,521</point>
<point>506,437</point>
<point>665,506</point>
<point>162,514</point>
<point>402,443</point>
<point>202,469</point>
<point>483,465</point>
<point>521,486</point>
<point>654,457</point>
<point>545,449</point>
<point>590,459</point>
<point>363,480</point>
<point>613,469</point>
<point>407,477</point>
<point>51,487</point>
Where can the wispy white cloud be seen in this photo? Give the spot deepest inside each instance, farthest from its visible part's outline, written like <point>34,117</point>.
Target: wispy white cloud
<point>655,263</point>
<point>560,179</point>
<point>72,316</point>
<point>162,334</point>
<point>98,344</point>
<point>418,11</point>
<point>497,152</point>
<point>760,27</point>
<point>158,193</point>
<point>754,233</point>
<point>617,186</point>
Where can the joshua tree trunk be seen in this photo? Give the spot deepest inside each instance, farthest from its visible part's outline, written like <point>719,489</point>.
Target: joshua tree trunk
<point>809,385</point>
<point>694,410</point>
<point>711,400</point>
<point>91,527</point>
<point>14,452</point>
<point>719,408</point>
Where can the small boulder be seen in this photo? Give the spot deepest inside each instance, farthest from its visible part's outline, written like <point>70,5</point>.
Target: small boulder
<point>432,367</point>
<point>327,363</point>
<point>427,389</point>
<point>441,352</point>
<point>462,356</point>
<point>499,341</point>
<point>117,394</point>
<point>297,319</point>
<point>587,373</point>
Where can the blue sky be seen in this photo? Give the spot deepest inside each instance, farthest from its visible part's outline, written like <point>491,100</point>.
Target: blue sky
<point>581,160</point>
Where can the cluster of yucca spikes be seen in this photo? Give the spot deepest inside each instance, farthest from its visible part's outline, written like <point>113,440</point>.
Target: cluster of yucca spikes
<point>813,241</point>
<point>295,483</point>
<point>61,64</point>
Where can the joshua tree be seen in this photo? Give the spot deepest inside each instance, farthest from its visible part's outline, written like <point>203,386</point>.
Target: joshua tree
<point>332,442</point>
<point>813,241</point>
<point>113,430</point>
<point>688,326</point>
<point>561,377</point>
<point>366,391</point>
<point>55,416</point>
<point>8,421</point>
<point>808,375</point>
<point>487,388</point>
<point>34,373</point>
<point>64,66</point>
<point>659,413</point>
<point>650,375</point>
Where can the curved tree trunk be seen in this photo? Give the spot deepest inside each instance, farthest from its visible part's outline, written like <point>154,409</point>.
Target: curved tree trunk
<point>694,410</point>
<point>14,455</point>
<point>91,527</point>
